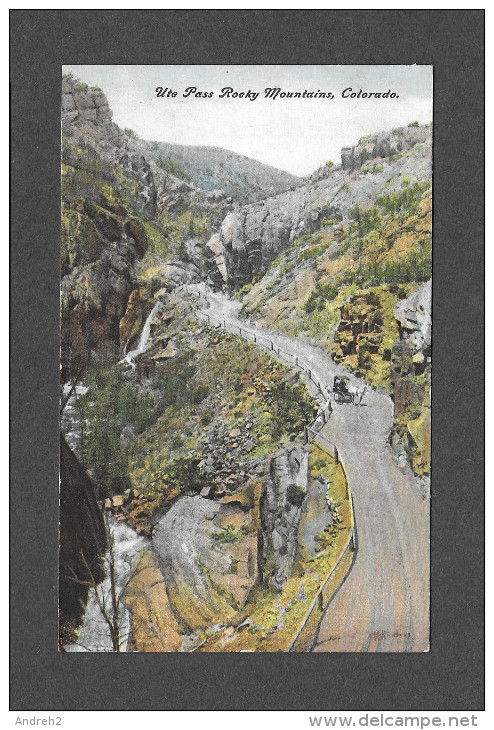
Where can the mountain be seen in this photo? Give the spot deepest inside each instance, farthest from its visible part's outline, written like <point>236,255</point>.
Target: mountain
<point>213,168</point>
<point>119,211</point>
<point>85,109</point>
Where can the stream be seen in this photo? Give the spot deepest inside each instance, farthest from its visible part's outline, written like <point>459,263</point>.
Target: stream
<point>94,632</point>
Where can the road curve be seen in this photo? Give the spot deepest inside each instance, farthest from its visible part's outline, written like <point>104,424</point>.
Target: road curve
<point>383,605</point>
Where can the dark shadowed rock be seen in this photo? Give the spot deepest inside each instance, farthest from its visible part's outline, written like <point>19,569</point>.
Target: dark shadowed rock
<point>82,539</point>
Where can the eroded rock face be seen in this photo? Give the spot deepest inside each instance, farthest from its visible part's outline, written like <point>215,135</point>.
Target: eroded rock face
<point>281,511</point>
<point>411,376</point>
<point>252,236</point>
<point>207,552</point>
<point>359,333</point>
<point>384,144</point>
<point>87,109</point>
<point>414,318</point>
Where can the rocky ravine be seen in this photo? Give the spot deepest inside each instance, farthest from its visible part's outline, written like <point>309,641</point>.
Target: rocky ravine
<point>251,237</point>
<point>120,202</point>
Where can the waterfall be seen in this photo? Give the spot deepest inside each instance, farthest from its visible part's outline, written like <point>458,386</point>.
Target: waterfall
<point>94,634</point>
<point>143,341</point>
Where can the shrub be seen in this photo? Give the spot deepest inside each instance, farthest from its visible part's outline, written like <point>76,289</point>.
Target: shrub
<point>174,167</point>
<point>404,201</point>
<point>230,534</point>
<point>322,293</point>
<point>313,252</point>
<point>414,123</point>
<point>295,495</point>
<point>330,163</point>
<point>129,132</point>
<point>109,404</point>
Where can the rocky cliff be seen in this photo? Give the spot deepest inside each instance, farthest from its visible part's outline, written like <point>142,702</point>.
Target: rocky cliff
<point>251,237</point>
<point>281,512</point>
<point>82,540</point>
<point>118,206</point>
<point>411,377</point>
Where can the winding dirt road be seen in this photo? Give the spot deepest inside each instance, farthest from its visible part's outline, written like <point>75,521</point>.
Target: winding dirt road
<point>383,605</point>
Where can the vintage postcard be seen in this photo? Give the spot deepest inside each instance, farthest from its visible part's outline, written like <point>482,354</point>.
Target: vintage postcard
<point>246,258</point>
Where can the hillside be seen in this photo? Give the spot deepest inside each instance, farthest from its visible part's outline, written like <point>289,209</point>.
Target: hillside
<point>251,237</point>
<point>85,110</point>
<point>349,246</point>
<point>213,168</point>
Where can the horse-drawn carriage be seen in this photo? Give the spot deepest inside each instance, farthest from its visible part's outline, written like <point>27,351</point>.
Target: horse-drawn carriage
<point>341,390</point>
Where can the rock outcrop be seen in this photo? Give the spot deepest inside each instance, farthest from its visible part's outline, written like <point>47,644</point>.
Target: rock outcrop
<point>384,144</point>
<point>281,511</point>
<point>82,540</point>
<point>252,236</point>
<point>359,333</point>
<point>411,376</point>
<point>207,553</point>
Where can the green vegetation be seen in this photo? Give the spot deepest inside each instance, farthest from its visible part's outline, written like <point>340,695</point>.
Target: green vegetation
<point>295,495</point>
<point>372,170</point>
<point>319,296</point>
<point>110,403</point>
<point>313,252</point>
<point>215,384</point>
<point>230,534</point>
<point>129,132</point>
<point>174,167</point>
<point>330,163</point>
<point>405,201</point>
<point>413,124</point>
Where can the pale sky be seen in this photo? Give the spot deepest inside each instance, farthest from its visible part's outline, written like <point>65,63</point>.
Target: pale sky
<point>296,135</point>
